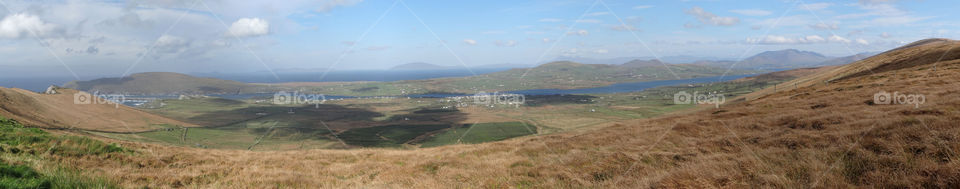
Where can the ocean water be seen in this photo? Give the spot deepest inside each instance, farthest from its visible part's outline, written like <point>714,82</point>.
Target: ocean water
<point>38,84</point>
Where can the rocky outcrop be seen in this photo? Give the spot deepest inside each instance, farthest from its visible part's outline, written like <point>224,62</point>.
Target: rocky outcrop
<point>52,90</point>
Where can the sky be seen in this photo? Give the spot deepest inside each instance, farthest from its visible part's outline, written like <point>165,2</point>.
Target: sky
<point>78,38</point>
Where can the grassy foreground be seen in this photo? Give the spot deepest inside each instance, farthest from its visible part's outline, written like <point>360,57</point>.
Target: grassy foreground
<point>26,153</point>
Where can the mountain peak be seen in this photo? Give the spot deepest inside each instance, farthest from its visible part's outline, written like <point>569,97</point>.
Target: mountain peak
<point>787,58</point>
<point>643,63</point>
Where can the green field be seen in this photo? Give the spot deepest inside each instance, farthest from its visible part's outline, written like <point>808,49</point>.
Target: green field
<point>480,133</point>
<point>407,123</point>
<point>387,136</point>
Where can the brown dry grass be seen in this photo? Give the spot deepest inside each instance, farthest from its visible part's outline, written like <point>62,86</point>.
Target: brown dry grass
<point>60,111</point>
<point>817,136</point>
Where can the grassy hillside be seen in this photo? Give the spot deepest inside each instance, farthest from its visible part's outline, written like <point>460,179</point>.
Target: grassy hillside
<point>62,111</point>
<point>166,83</point>
<point>812,136</point>
<point>29,158</point>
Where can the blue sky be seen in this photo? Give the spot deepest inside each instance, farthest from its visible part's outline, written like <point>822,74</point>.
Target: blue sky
<point>76,37</point>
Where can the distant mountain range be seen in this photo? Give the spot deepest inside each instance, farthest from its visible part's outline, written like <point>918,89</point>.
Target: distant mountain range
<point>782,59</point>
<point>787,59</point>
<point>682,59</point>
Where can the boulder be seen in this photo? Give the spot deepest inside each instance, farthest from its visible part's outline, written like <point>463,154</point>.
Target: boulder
<point>52,90</point>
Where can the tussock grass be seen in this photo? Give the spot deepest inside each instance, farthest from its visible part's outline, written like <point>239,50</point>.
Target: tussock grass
<point>36,147</point>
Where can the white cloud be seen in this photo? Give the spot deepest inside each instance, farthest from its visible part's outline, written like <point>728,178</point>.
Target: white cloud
<point>171,44</point>
<point>862,42</point>
<point>815,39</point>
<point>508,43</point>
<point>785,40</point>
<point>880,14</point>
<point>21,25</point>
<point>579,32</point>
<point>328,5</point>
<point>836,38</point>
<point>885,35</point>
<point>823,26</point>
<point>775,39</point>
<point>470,42</point>
<point>601,51</point>
<point>639,7</point>
<point>752,12</point>
<point>551,20</point>
<point>249,27</point>
<point>712,19</point>
<point>546,40</point>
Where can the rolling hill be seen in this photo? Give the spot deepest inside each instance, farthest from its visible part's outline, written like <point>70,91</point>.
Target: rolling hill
<point>60,111</point>
<point>790,58</point>
<point>815,136</point>
<point>558,75</point>
<point>847,59</point>
<point>786,59</point>
<point>163,83</point>
<point>571,75</point>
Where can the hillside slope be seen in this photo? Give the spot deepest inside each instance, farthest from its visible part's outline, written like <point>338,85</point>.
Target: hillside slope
<point>930,52</point>
<point>816,136</point>
<point>573,75</point>
<point>60,111</point>
<point>154,83</point>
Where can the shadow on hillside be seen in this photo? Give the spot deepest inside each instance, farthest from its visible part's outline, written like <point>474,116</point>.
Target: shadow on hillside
<point>543,100</point>
<point>336,117</point>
